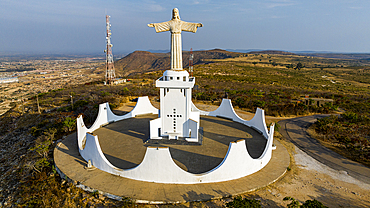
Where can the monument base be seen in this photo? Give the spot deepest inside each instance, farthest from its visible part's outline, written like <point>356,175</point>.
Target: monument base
<point>179,140</point>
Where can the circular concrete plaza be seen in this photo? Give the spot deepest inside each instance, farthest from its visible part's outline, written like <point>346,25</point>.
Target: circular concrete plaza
<point>123,144</point>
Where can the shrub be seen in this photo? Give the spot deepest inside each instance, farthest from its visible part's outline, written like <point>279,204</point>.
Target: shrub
<point>80,103</point>
<point>112,105</point>
<point>313,203</point>
<point>239,202</point>
<point>308,204</point>
<point>103,93</point>
<point>293,204</point>
<point>259,103</point>
<point>69,124</point>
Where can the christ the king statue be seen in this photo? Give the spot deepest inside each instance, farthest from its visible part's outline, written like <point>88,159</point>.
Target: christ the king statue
<point>176,25</point>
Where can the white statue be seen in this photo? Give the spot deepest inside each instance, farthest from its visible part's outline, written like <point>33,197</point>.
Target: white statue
<point>176,25</point>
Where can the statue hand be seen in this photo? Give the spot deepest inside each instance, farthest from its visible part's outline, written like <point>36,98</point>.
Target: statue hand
<point>151,25</point>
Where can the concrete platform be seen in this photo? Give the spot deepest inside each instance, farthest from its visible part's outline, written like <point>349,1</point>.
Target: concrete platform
<point>123,145</point>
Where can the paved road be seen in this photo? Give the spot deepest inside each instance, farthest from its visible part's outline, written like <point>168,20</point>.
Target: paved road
<point>295,131</point>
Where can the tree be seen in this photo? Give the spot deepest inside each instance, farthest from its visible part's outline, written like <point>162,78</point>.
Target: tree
<point>299,66</point>
<point>239,202</point>
<point>308,204</point>
<point>293,204</point>
<point>313,203</point>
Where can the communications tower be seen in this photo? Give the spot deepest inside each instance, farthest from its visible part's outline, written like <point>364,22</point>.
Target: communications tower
<point>191,63</point>
<point>110,75</point>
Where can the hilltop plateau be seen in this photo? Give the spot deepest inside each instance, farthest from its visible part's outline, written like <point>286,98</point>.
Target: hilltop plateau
<point>285,85</point>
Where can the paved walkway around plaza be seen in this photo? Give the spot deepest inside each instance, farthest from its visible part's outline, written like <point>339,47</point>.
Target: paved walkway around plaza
<point>123,143</point>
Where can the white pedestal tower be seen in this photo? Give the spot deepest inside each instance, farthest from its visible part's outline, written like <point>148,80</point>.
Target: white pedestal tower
<point>176,120</point>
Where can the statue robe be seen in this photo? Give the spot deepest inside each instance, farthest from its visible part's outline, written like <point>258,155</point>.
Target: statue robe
<point>176,26</point>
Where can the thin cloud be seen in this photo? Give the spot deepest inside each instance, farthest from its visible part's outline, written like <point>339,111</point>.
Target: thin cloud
<point>279,3</point>
<point>156,8</point>
<point>200,2</point>
<point>357,8</point>
<point>276,17</point>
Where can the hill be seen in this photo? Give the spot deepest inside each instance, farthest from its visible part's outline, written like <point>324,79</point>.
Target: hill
<point>272,52</point>
<point>144,61</point>
<point>355,56</point>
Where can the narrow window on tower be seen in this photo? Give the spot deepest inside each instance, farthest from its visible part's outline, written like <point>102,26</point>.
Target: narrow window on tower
<point>184,79</point>
<point>184,93</point>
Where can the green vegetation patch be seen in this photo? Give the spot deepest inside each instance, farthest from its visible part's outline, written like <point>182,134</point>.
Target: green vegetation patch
<point>349,132</point>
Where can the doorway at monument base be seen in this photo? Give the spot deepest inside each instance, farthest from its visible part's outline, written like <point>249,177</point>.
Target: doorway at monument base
<point>158,165</point>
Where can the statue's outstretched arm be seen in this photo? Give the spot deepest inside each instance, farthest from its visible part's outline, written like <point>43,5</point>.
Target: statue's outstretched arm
<point>190,27</point>
<point>160,27</point>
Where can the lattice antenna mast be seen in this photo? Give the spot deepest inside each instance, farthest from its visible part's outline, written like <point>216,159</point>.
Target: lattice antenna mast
<point>191,63</point>
<point>110,75</point>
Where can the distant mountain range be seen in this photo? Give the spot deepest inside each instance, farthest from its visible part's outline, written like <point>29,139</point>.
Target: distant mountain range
<point>324,54</point>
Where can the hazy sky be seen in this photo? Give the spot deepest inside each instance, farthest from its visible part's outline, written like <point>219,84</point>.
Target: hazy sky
<point>78,26</point>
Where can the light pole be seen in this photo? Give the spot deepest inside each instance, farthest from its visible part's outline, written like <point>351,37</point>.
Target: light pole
<point>38,105</point>
<point>71,101</point>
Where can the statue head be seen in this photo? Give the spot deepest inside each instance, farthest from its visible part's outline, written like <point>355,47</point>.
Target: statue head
<point>175,14</point>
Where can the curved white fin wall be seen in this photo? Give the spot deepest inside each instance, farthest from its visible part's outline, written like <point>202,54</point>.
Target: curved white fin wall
<point>105,116</point>
<point>158,165</point>
<point>93,152</point>
<point>143,106</point>
<point>226,110</point>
